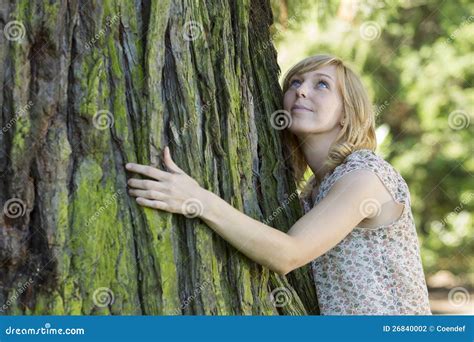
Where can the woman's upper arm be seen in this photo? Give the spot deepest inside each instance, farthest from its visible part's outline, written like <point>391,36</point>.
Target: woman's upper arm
<point>334,217</point>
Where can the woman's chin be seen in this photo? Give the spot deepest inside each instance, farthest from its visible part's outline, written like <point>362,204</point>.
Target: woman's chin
<point>298,129</point>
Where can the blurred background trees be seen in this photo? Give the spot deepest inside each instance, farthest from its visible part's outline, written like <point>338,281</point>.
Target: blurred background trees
<point>416,59</point>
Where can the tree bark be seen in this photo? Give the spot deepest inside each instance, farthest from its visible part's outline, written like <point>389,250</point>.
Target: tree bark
<point>87,86</point>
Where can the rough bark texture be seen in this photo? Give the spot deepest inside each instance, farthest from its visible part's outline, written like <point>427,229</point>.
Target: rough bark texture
<point>92,85</point>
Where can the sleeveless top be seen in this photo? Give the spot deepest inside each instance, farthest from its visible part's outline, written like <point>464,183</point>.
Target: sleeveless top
<point>372,271</point>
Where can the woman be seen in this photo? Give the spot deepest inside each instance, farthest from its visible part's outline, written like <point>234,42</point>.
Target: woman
<point>358,230</point>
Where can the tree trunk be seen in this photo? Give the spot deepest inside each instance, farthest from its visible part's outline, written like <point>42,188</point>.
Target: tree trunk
<point>87,86</point>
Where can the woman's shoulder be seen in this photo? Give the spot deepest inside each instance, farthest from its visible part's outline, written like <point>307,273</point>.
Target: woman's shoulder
<point>365,159</point>
<point>364,155</point>
<point>358,159</point>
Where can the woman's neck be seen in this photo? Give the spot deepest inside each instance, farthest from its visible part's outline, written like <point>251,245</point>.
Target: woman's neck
<point>316,148</point>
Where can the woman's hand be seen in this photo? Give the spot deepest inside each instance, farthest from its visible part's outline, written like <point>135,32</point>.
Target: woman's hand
<point>172,191</point>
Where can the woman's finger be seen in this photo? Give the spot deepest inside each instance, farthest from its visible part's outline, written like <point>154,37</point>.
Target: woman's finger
<point>152,204</point>
<point>170,163</point>
<point>145,184</point>
<point>148,171</point>
<point>148,194</point>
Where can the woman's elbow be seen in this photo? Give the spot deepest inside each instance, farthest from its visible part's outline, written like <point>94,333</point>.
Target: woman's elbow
<point>294,258</point>
<point>289,262</point>
<point>283,270</point>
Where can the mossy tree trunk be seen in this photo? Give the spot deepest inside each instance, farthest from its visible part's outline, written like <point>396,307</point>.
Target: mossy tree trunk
<point>87,86</point>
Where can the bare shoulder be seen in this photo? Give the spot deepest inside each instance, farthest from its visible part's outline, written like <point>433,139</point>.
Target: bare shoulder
<point>365,182</point>
<point>374,200</point>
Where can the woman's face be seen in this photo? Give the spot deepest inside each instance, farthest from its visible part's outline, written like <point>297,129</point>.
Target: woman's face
<point>314,101</point>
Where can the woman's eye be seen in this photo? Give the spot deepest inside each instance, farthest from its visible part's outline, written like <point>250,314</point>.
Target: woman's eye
<point>324,83</point>
<point>296,82</point>
<point>292,82</point>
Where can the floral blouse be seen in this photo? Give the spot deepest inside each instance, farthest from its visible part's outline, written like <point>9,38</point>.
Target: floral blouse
<point>372,271</point>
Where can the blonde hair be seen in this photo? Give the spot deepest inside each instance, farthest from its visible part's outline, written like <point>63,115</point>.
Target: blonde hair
<point>358,131</point>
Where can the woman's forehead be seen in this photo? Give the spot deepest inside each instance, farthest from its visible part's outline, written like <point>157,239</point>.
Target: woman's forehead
<point>327,70</point>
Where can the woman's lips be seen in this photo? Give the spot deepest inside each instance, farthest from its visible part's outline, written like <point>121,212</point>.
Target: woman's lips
<point>300,107</point>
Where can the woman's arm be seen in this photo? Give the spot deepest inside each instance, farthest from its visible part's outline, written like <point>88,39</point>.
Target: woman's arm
<point>263,244</point>
<point>311,236</point>
<point>351,199</point>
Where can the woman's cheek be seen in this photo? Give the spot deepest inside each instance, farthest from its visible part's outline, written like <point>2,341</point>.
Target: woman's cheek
<point>287,102</point>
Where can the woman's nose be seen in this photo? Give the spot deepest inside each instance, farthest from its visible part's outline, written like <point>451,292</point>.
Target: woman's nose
<point>301,91</point>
